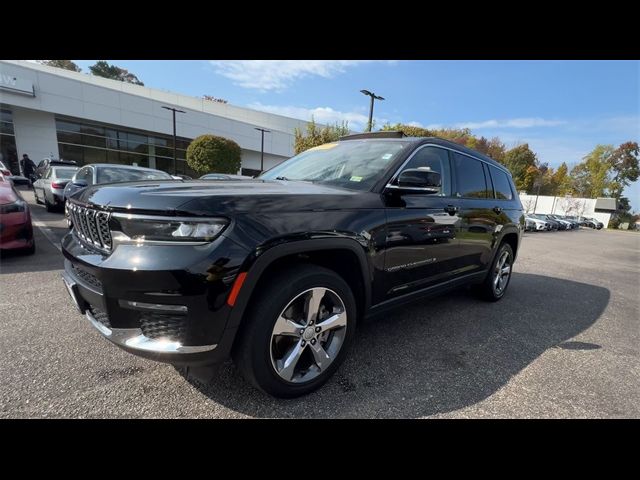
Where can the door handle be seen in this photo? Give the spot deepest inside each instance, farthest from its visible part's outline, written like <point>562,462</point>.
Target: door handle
<point>451,209</point>
<point>497,209</point>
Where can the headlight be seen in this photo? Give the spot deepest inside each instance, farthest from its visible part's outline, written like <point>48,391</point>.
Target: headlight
<point>143,228</point>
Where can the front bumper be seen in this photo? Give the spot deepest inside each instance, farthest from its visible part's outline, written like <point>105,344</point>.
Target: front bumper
<point>166,303</point>
<point>16,231</point>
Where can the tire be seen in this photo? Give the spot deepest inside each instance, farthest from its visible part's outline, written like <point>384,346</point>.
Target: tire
<point>29,250</point>
<point>489,289</point>
<point>261,355</point>
<point>50,207</point>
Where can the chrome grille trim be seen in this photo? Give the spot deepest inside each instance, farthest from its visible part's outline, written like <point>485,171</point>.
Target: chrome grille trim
<point>91,226</point>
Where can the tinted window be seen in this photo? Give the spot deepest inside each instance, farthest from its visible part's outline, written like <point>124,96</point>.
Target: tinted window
<point>64,173</point>
<point>435,159</point>
<point>86,175</point>
<point>501,184</point>
<point>470,177</point>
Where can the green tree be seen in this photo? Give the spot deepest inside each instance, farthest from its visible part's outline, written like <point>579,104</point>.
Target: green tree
<point>561,181</point>
<point>315,135</point>
<point>408,130</point>
<point>210,153</point>
<point>625,167</point>
<point>592,175</point>
<point>102,69</point>
<point>66,64</point>
<point>523,164</point>
<point>496,150</point>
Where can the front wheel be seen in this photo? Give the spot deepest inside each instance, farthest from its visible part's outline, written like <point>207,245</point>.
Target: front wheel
<point>499,276</point>
<point>297,332</point>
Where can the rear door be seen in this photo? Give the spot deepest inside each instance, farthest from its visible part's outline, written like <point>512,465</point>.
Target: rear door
<point>479,215</point>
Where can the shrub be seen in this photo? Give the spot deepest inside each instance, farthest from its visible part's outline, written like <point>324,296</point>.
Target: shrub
<point>210,153</point>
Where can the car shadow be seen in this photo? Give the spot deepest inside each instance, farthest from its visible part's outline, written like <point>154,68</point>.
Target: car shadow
<point>436,355</point>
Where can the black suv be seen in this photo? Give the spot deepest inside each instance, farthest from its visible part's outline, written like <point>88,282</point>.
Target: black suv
<point>277,271</point>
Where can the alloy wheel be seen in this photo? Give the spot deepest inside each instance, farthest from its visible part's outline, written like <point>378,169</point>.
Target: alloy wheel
<point>502,273</point>
<point>308,335</point>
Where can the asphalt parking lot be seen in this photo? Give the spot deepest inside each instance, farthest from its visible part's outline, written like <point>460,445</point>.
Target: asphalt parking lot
<point>564,342</point>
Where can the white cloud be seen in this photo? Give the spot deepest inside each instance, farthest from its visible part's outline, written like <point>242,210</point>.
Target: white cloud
<point>279,74</point>
<point>326,115</point>
<point>511,123</point>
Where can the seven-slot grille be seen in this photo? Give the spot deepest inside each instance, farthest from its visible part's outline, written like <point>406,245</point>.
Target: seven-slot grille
<point>91,225</point>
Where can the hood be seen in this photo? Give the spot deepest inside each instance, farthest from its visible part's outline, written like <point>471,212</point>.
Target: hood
<point>222,197</point>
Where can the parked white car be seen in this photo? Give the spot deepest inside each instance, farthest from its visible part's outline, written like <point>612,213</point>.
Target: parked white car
<point>535,224</point>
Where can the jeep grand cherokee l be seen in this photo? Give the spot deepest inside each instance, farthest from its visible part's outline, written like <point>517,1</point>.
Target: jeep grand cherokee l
<point>277,271</point>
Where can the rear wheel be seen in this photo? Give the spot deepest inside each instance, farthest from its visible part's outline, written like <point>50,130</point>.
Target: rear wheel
<point>49,206</point>
<point>499,276</point>
<point>297,332</point>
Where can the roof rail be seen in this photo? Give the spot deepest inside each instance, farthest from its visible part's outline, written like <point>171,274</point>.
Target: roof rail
<point>385,134</point>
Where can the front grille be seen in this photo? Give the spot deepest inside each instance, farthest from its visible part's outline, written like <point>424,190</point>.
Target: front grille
<point>100,316</point>
<point>171,327</point>
<point>87,277</point>
<point>91,226</point>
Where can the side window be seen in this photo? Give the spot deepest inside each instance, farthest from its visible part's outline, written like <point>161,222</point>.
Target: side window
<point>470,177</point>
<point>436,159</point>
<point>501,184</point>
<point>47,174</point>
<point>85,174</point>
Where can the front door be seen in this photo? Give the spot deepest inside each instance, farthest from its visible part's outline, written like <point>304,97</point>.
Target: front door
<point>421,244</point>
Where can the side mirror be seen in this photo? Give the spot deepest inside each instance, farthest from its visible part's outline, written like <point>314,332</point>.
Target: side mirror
<point>420,179</point>
<point>80,183</point>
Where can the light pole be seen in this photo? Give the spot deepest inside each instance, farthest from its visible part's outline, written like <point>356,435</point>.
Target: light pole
<point>175,153</point>
<point>262,148</point>
<point>373,97</point>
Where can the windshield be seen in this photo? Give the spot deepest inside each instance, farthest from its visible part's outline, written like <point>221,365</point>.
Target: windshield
<point>64,173</point>
<point>116,175</point>
<point>353,164</point>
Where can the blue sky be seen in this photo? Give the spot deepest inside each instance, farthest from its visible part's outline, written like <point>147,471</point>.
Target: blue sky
<point>561,108</point>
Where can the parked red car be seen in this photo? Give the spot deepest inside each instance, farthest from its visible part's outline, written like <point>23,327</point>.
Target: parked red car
<point>16,231</point>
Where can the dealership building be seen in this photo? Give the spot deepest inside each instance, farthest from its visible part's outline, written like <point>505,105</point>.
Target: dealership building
<point>56,113</point>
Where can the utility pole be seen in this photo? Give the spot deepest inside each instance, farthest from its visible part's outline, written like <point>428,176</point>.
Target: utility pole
<point>175,152</point>
<point>262,147</point>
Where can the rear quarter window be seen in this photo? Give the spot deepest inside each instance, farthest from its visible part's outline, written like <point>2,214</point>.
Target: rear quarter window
<point>501,184</point>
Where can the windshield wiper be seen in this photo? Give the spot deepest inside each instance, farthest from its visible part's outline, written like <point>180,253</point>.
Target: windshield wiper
<point>282,178</point>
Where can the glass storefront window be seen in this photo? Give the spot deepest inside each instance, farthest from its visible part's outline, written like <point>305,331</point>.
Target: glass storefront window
<point>6,128</point>
<point>95,155</point>
<point>71,152</point>
<point>92,130</point>
<point>67,126</point>
<point>91,143</point>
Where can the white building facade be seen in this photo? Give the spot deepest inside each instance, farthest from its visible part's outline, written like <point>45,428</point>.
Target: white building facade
<point>599,208</point>
<point>56,113</point>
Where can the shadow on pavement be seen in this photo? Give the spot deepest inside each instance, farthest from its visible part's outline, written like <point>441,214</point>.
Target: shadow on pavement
<point>436,355</point>
<point>46,258</point>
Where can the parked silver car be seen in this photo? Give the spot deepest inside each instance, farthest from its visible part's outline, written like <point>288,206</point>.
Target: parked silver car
<point>50,188</point>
